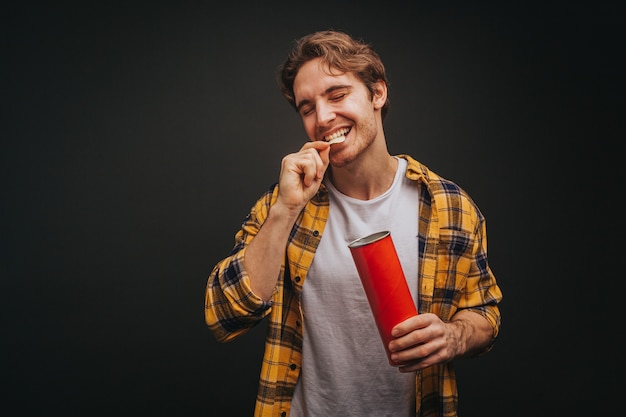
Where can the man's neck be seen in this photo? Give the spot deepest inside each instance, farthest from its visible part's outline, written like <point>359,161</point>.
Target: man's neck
<point>365,179</point>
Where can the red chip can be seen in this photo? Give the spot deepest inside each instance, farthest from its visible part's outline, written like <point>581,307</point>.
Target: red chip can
<point>384,283</point>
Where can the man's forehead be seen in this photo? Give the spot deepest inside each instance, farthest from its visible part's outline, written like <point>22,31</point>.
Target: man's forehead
<point>315,78</point>
<point>318,68</point>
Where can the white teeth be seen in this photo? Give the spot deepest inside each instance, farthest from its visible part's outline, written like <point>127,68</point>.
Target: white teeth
<point>337,137</point>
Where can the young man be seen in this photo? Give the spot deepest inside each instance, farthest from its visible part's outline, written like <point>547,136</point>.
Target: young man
<point>291,262</point>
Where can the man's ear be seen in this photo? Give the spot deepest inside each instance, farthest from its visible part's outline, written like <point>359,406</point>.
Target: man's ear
<point>380,94</point>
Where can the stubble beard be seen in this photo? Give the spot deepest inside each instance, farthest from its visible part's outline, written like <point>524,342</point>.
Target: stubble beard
<point>366,134</point>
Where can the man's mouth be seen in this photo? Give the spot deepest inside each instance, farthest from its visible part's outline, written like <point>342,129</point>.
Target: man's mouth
<point>337,137</point>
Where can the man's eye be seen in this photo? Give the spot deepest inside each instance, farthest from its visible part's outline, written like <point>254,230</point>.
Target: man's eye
<point>337,97</point>
<point>306,111</point>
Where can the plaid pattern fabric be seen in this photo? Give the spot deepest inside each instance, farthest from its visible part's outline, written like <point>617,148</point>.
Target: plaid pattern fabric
<point>453,274</point>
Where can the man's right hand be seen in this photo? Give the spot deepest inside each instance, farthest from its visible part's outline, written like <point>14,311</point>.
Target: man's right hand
<point>301,174</point>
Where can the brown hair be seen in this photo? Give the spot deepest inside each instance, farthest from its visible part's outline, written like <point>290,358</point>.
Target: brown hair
<point>339,51</point>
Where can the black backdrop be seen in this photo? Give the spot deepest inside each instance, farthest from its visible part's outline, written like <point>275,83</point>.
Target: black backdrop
<point>136,136</point>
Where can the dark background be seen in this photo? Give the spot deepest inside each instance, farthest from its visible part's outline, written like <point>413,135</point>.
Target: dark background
<point>136,136</point>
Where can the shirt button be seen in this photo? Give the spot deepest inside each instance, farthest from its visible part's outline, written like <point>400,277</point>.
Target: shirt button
<point>292,366</point>
<point>316,233</point>
<point>283,414</point>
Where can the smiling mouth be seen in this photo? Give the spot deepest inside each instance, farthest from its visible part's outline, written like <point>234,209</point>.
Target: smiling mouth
<point>337,137</point>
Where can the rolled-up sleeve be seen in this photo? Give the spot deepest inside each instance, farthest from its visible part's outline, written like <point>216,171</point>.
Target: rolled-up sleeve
<point>231,308</point>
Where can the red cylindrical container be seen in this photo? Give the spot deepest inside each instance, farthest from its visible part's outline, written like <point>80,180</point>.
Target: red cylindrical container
<point>384,283</point>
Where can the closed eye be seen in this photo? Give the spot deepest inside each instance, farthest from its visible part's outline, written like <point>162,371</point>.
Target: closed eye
<point>306,110</point>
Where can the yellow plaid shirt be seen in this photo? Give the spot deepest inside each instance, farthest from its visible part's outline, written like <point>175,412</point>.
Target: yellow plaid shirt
<point>453,274</point>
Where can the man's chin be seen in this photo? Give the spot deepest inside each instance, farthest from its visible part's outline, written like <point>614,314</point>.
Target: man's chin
<point>337,161</point>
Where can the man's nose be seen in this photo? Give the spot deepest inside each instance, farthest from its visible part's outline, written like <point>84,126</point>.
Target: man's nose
<point>325,114</point>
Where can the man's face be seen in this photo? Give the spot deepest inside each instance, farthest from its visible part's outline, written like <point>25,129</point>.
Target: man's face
<point>331,102</point>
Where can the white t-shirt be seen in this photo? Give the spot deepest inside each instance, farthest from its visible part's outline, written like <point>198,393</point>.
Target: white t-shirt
<point>345,370</point>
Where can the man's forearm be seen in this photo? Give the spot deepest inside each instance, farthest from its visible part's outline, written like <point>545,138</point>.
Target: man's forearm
<point>473,333</point>
<point>266,251</point>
